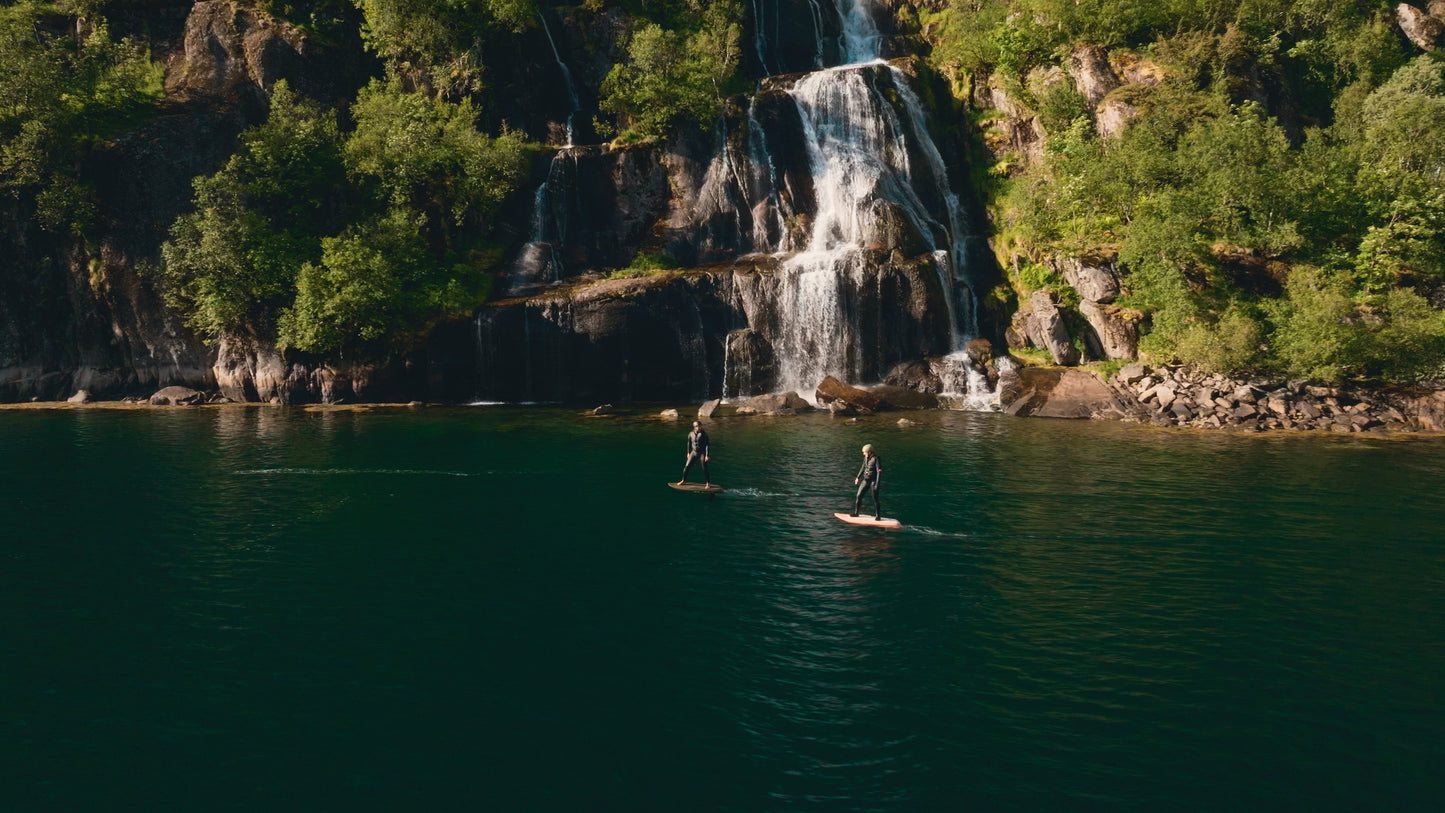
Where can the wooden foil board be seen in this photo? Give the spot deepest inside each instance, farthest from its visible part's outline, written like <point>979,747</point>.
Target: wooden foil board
<point>697,487</point>
<point>863,519</point>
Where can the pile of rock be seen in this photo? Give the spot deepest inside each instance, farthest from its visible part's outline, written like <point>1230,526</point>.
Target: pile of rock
<point>1186,396</point>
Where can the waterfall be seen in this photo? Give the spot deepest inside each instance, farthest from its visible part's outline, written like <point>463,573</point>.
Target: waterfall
<point>540,261</point>
<point>566,74</point>
<point>835,176</point>
<point>760,34</point>
<point>861,41</point>
<point>864,182</point>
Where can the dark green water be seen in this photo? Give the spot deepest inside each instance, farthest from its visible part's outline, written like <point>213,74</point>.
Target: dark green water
<point>506,609</point>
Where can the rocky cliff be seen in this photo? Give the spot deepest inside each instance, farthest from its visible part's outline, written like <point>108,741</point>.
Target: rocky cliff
<point>86,315</point>
<point>824,217</point>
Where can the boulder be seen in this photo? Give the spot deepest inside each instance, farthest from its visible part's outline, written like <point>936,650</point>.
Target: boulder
<point>1425,31</point>
<point>80,397</point>
<point>708,408</point>
<point>1428,410</point>
<point>177,396</point>
<point>1116,329</point>
<point>1132,373</point>
<point>1114,116</point>
<point>777,403</point>
<point>1018,130</point>
<point>605,409</point>
<point>979,354</point>
<point>890,397</point>
<point>1093,76</point>
<point>1137,71</point>
<point>831,391</point>
<point>1043,78</point>
<point>895,231</point>
<point>917,375</point>
<point>234,52</point>
<point>668,414</point>
<point>1162,393</point>
<point>1050,330</point>
<point>1051,392</point>
<point>1095,278</point>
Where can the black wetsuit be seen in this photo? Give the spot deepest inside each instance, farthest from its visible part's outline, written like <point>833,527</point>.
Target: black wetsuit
<point>868,478</point>
<point>697,452</point>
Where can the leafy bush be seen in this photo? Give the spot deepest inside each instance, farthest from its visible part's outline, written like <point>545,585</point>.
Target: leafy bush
<point>645,264</point>
<point>675,75</point>
<point>338,243</point>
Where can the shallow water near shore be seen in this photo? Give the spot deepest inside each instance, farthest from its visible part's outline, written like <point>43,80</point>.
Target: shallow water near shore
<point>506,608</point>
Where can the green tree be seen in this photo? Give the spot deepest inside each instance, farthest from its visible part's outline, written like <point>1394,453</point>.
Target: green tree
<point>438,43</point>
<point>230,264</point>
<point>422,154</point>
<point>59,95</point>
<point>674,76</point>
<point>1402,129</point>
<point>369,282</point>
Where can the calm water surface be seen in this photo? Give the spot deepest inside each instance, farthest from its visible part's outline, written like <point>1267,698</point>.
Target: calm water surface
<point>506,609</point>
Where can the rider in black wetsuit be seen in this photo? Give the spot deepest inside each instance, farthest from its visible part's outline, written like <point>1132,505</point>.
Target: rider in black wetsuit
<point>697,452</point>
<point>867,480</point>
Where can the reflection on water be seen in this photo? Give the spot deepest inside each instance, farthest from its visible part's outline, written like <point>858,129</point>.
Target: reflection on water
<point>446,608</point>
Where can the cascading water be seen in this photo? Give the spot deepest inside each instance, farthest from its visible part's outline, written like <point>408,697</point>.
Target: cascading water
<point>540,261</point>
<point>859,150</point>
<point>861,125</point>
<point>567,75</point>
<point>861,41</point>
<point>835,176</point>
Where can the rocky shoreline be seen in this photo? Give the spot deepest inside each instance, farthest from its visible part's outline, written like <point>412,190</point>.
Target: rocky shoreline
<point>1170,396</point>
<point>1182,396</point>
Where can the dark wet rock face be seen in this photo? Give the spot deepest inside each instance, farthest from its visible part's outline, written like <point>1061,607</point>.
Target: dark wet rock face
<point>701,333</point>
<point>751,365</point>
